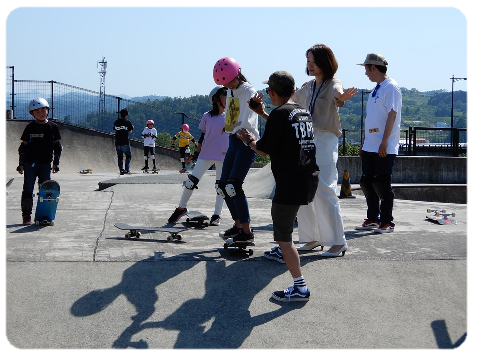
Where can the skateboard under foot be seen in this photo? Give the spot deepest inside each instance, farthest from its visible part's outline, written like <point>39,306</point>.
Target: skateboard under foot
<point>135,231</point>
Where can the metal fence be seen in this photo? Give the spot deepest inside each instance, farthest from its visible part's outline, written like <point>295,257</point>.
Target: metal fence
<point>84,108</point>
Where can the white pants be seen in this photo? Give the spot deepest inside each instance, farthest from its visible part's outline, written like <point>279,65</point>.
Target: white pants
<point>321,220</point>
<point>199,169</point>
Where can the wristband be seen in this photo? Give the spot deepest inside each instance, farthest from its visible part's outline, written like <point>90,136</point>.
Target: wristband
<point>249,141</point>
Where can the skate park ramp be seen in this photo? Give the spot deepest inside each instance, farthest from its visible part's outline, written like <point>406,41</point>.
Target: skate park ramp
<point>83,148</point>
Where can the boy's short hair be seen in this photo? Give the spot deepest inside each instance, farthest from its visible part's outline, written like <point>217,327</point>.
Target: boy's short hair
<point>124,112</point>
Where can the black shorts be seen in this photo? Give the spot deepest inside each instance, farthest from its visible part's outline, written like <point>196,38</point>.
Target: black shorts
<point>283,218</point>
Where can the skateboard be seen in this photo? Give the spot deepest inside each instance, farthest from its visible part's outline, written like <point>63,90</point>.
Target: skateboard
<point>9,183</point>
<point>197,218</point>
<point>153,171</point>
<point>134,231</point>
<point>85,171</point>
<point>441,216</point>
<point>240,247</point>
<point>188,167</point>
<point>47,200</point>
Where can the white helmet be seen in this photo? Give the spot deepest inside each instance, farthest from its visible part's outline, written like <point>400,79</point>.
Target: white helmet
<point>213,92</point>
<point>38,103</point>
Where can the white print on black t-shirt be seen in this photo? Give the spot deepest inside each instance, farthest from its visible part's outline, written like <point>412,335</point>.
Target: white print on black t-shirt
<point>121,128</point>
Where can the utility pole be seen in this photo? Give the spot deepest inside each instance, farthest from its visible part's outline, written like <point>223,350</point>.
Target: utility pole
<point>103,71</point>
<point>453,80</point>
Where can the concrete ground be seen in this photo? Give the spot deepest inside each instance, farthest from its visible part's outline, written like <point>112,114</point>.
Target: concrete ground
<point>81,284</point>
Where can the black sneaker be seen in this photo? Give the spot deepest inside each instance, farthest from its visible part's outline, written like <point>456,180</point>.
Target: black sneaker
<point>290,294</point>
<point>177,214</point>
<point>242,237</point>
<point>215,220</point>
<point>230,233</point>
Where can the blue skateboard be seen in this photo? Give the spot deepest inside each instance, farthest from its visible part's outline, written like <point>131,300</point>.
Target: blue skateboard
<point>47,201</point>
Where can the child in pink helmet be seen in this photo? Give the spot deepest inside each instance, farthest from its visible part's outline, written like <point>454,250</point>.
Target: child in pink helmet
<point>239,157</point>
<point>149,134</point>
<point>184,137</point>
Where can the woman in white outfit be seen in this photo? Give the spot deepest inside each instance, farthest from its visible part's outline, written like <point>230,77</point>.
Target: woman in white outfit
<point>320,222</point>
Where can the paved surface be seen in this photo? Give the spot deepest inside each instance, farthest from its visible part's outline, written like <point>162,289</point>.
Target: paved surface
<point>80,284</point>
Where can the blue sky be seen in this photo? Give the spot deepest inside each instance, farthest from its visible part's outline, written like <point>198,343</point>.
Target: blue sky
<point>171,51</point>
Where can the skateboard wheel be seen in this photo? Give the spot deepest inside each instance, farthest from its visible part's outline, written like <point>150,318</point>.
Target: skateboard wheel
<point>169,238</point>
<point>127,235</point>
<point>41,199</point>
<point>179,237</point>
<point>138,234</point>
<point>57,199</point>
<point>453,214</point>
<point>51,223</point>
<point>251,252</point>
<point>36,223</point>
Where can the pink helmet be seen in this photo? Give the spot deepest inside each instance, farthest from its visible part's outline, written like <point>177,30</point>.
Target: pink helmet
<point>150,121</point>
<point>185,127</point>
<point>225,70</point>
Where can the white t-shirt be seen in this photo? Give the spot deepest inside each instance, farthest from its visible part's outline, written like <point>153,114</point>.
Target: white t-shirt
<point>149,141</point>
<point>237,110</point>
<point>387,97</point>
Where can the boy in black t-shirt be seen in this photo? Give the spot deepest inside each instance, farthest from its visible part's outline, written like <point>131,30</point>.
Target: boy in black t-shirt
<point>288,139</point>
<point>40,140</point>
<point>123,127</point>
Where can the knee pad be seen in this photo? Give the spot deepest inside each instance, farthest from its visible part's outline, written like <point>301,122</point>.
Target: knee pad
<point>366,185</point>
<point>191,182</point>
<point>145,157</point>
<point>220,188</point>
<point>233,188</point>
<point>382,185</point>
<point>181,159</point>
<point>153,156</point>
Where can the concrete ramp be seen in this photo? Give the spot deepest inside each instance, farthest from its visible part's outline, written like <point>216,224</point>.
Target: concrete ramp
<point>83,148</point>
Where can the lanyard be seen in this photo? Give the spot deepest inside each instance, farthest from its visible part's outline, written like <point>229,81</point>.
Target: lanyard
<point>313,98</point>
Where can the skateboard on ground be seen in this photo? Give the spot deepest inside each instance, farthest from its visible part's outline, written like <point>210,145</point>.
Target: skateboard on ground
<point>153,171</point>
<point>9,183</point>
<point>240,247</point>
<point>197,218</point>
<point>85,171</point>
<point>135,231</point>
<point>187,167</point>
<point>441,216</point>
<point>47,200</point>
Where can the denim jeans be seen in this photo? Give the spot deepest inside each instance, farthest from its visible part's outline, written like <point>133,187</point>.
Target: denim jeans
<point>379,170</point>
<point>31,173</point>
<point>124,150</point>
<point>236,165</point>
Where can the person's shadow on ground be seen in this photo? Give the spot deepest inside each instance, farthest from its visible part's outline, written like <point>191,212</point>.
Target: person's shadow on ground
<point>220,319</point>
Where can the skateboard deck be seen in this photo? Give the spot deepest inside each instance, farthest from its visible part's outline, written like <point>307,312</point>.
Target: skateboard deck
<point>85,171</point>
<point>188,167</point>
<point>135,231</point>
<point>156,171</point>
<point>441,216</point>
<point>47,200</point>
<point>196,217</point>
<point>240,247</point>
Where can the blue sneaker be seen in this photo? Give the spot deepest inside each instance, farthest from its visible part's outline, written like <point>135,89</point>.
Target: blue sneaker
<point>290,294</point>
<point>275,254</point>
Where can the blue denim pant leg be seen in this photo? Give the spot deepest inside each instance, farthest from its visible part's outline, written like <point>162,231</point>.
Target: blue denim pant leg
<point>236,165</point>
<point>374,166</point>
<point>41,172</point>
<point>124,150</point>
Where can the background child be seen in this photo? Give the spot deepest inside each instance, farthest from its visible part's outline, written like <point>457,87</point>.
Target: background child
<point>149,134</point>
<point>184,137</point>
